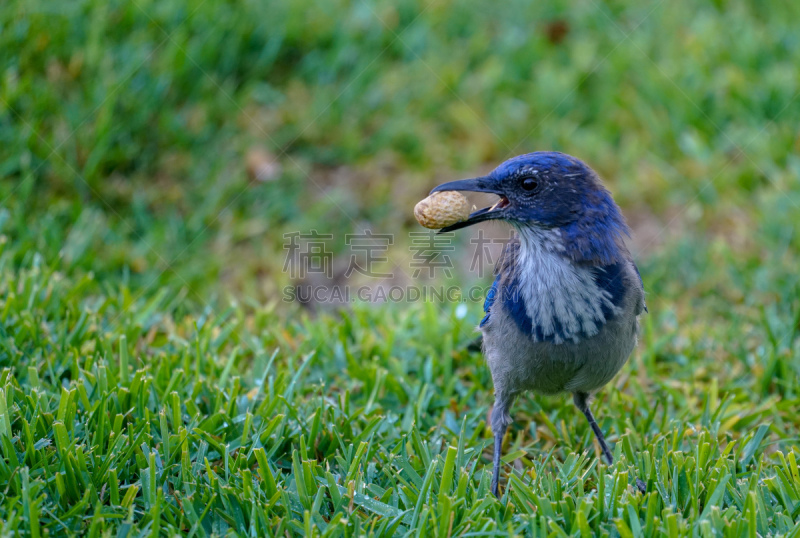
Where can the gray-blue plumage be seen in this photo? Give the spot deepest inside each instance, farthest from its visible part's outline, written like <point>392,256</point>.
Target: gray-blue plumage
<point>561,315</point>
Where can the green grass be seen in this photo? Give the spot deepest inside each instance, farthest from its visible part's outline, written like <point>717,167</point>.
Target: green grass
<point>134,414</point>
<point>151,379</point>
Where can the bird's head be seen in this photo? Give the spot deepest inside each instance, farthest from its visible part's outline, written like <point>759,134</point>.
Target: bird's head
<point>551,190</point>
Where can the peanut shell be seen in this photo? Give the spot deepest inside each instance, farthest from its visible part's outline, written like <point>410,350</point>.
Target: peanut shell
<point>442,209</point>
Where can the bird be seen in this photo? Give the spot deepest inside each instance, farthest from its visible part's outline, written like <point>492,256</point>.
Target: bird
<point>562,313</point>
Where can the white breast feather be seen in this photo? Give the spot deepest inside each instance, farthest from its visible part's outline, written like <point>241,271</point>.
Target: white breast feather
<point>555,290</point>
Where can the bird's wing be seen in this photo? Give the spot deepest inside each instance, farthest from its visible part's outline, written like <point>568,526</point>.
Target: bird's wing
<point>489,301</point>
<point>641,282</point>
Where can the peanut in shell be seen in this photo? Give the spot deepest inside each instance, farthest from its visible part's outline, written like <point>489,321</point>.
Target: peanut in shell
<point>442,209</point>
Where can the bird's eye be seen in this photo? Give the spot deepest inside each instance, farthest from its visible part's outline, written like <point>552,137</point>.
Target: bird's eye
<point>529,184</point>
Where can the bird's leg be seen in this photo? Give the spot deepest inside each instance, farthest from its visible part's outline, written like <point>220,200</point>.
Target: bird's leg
<point>500,421</point>
<point>581,400</point>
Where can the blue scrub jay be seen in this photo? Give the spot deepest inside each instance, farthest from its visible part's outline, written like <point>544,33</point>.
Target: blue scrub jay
<point>562,313</point>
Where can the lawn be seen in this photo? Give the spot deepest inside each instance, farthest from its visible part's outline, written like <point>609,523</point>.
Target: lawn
<point>154,381</point>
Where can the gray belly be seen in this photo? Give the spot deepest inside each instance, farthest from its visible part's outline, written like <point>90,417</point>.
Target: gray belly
<point>518,363</point>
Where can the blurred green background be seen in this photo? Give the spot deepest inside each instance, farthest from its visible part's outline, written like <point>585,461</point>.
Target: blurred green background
<point>126,208</point>
<point>127,124</point>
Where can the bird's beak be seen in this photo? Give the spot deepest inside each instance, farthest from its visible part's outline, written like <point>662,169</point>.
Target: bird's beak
<point>478,184</point>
